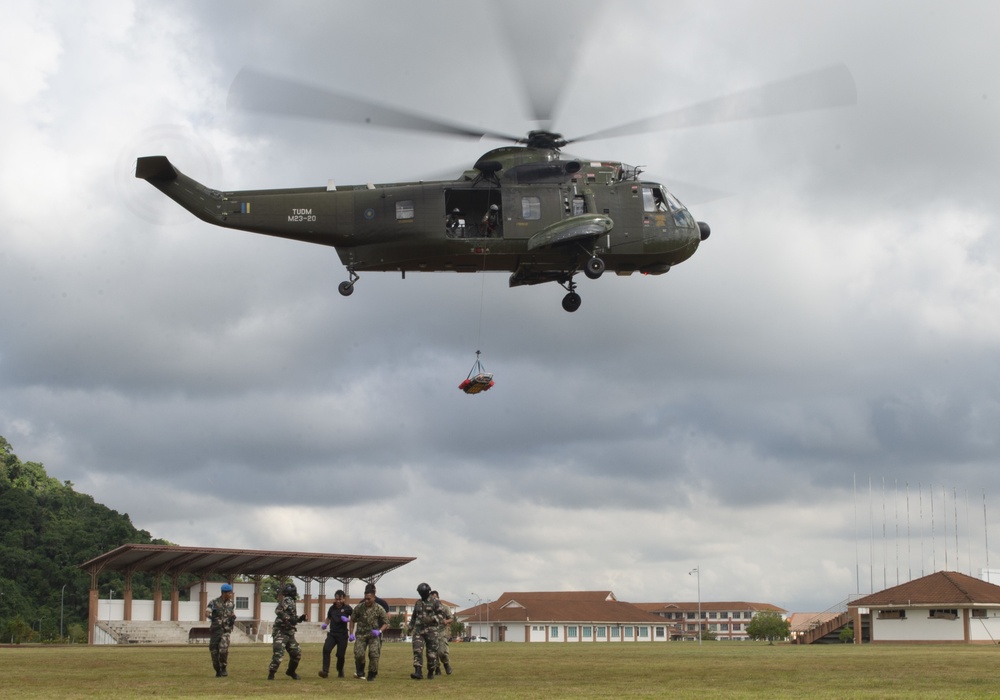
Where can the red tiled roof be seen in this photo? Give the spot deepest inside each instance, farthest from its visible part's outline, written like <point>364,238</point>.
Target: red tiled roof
<point>944,588</point>
<point>710,606</point>
<point>561,606</point>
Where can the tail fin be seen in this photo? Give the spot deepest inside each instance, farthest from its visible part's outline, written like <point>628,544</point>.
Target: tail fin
<point>154,168</point>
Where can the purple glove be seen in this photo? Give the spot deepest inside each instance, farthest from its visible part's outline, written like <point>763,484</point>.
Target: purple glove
<point>345,618</point>
<point>376,633</point>
<point>350,637</point>
<point>323,626</point>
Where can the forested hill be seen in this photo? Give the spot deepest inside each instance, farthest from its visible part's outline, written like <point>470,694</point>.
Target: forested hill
<point>46,531</point>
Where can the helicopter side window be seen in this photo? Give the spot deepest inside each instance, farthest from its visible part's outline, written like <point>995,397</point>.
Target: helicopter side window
<point>404,209</point>
<point>531,208</point>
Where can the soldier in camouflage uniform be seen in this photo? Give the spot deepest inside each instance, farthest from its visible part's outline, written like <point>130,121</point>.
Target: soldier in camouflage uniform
<point>424,623</point>
<point>221,617</point>
<point>369,621</point>
<point>283,633</point>
<point>444,653</point>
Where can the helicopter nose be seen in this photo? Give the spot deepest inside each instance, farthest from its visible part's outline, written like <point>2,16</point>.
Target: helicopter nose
<point>705,230</point>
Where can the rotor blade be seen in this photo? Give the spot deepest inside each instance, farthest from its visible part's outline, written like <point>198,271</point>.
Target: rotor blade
<point>545,58</point>
<point>259,92</point>
<point>820,89</point>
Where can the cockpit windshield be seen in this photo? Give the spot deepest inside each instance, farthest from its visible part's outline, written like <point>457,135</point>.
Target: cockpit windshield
<point>656,198</point>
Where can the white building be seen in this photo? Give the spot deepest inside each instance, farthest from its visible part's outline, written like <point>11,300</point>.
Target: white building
<point>945,606</point>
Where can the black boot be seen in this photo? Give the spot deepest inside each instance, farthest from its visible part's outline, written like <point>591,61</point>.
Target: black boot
<point>340,668</point>
<point>270,675</point>
<point>292,665</point>
<point>447,669</point>
<point>371,676</point>
<point>417,674</point>
<point>359,669</point>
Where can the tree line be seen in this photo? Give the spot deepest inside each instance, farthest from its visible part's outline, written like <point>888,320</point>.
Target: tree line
<point>47,529</point>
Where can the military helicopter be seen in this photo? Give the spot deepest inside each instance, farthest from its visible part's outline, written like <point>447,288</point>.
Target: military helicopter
<point>527,208</point>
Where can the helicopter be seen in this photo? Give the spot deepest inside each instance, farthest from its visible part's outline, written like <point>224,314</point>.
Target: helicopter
<point>527,208</point>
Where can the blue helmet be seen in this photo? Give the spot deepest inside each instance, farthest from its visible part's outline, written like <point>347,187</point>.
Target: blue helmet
<point>226,588</point>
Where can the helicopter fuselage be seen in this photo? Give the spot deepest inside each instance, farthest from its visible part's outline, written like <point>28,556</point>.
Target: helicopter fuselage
<point>530,211</point>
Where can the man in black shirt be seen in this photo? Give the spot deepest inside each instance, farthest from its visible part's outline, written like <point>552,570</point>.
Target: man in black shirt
<point>336,620</point>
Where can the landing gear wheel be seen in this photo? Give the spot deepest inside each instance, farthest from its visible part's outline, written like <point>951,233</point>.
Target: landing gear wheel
<point>347,288</point>
<point>571,302</point>
<point>594,268</point>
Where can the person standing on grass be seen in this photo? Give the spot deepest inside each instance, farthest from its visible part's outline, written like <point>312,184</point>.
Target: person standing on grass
<point>337,618</point>
<point>286,618</point>
<point>368,621</point>
<point>423,626</point>
<point>444,653</point>
<point>221,617</point>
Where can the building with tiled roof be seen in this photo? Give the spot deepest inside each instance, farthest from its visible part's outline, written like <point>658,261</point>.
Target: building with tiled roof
<point>563,616</point>
<point>945,606</point>
<point>724,620</point>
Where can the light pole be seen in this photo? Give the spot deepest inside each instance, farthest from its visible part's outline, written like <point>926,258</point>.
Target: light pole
<point>479,602</point>
<point>62,607</point>
<point>697,572</point>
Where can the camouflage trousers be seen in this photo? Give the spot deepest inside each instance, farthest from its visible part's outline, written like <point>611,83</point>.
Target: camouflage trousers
<point>427,640</point>
<point>367,643</point>
<point>444,652</point>
<point>218,646</point>
<point>283,641</point>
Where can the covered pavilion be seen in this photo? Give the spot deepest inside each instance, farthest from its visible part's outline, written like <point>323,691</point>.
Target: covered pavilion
<point>212,563</point>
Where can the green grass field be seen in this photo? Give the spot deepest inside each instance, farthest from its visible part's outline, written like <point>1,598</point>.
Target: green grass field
<point>497,671</point>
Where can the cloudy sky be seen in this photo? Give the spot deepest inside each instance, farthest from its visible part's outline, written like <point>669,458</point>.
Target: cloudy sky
<point>805,410</point>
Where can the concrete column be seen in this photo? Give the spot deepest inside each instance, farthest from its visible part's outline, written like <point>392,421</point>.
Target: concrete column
<point>175,600</point>
<point>92,614</point>
<point>127,597</point>
<point>157,598</point>
<point>203,599</point>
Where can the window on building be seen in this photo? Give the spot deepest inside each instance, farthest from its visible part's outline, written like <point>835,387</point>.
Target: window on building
<point>587,632</point>
<point>571,632</point>
<point>404,209</point>
<point>616,632</point>
<point>602,632</point>
<point>661,632</point>
<point>243,603</point>
<point>628,633</point>
<point>892,614</point>
<point>553,632</point>
<point>943,614</point>
<point>713,616</point>
<point>690,616</point>
<point>643,632</point>
<point>979,612</point>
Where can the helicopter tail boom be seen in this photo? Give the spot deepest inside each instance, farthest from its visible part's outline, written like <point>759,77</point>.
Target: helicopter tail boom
<point>189,193</point>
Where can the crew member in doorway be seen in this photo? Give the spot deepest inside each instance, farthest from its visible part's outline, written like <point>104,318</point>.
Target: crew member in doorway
<point>491,221</point>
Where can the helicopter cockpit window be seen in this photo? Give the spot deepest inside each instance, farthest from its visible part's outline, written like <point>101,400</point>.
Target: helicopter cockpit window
<point>404,209</point>
<point>653,199</point>
<point>531,208</point>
